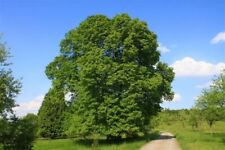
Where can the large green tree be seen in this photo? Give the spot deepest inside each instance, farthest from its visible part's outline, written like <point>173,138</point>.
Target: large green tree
<point>9,86</point>
<point>51,114</point>
<point>113,68</point>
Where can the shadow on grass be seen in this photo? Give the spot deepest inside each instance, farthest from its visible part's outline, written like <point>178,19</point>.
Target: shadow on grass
<point>89,142</point>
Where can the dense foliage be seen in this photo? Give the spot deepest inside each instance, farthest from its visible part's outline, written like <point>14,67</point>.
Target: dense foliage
<point>112,66</point>
<point>18,134</point>
<point>51,114</point>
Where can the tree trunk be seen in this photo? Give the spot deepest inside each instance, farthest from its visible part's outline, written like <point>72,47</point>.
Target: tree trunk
<point>112,138</point>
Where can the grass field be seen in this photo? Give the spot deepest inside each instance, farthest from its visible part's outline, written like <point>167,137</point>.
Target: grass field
<point>202,138</point>
<point>76,144</point>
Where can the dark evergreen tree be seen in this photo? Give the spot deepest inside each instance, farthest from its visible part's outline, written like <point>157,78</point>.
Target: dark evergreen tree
<point>51,114</point>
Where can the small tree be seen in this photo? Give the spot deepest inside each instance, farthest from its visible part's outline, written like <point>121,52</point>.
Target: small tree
<point>212,101</point>
<point>18,134</point>
<point>194,118</point>
<point>51,114</point>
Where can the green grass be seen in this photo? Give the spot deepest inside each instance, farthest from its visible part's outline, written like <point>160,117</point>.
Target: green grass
<point>203,138</point>
<point>78,144</point>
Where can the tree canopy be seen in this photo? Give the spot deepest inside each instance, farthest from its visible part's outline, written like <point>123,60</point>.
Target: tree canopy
<point>113,68</point>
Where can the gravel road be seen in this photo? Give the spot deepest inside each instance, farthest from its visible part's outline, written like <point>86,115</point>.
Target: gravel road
<point>166,141</point>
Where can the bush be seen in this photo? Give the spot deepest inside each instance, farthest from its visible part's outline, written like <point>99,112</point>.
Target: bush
<point>18,134</point>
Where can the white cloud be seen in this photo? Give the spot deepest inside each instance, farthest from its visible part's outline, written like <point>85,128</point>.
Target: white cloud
<point>163,49</point>
<point>204,85</point>
<point>191,67</point>
<point>29,107</point>
<point>220,37</point>
<point>177,97</point>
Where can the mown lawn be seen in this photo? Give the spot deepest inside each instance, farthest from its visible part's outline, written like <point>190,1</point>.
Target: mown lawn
<point>202,138</point>
<point>77,144</point>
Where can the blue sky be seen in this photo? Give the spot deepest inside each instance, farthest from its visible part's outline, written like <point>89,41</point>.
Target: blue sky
<point>191,34</point>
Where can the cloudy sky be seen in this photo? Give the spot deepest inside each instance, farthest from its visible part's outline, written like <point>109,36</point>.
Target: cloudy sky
<point>191,35</point>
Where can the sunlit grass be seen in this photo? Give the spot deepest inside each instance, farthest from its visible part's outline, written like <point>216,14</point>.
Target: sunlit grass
<point>202,138</point>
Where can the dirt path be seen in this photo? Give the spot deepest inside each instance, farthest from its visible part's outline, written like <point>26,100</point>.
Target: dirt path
<point>166,141</point>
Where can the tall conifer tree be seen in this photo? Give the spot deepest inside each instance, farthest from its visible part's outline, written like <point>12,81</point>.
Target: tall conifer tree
<point>51,114</point>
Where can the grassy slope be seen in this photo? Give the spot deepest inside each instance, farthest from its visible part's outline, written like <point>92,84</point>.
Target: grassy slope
<point>202,138</point>
<point>70,144</point>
